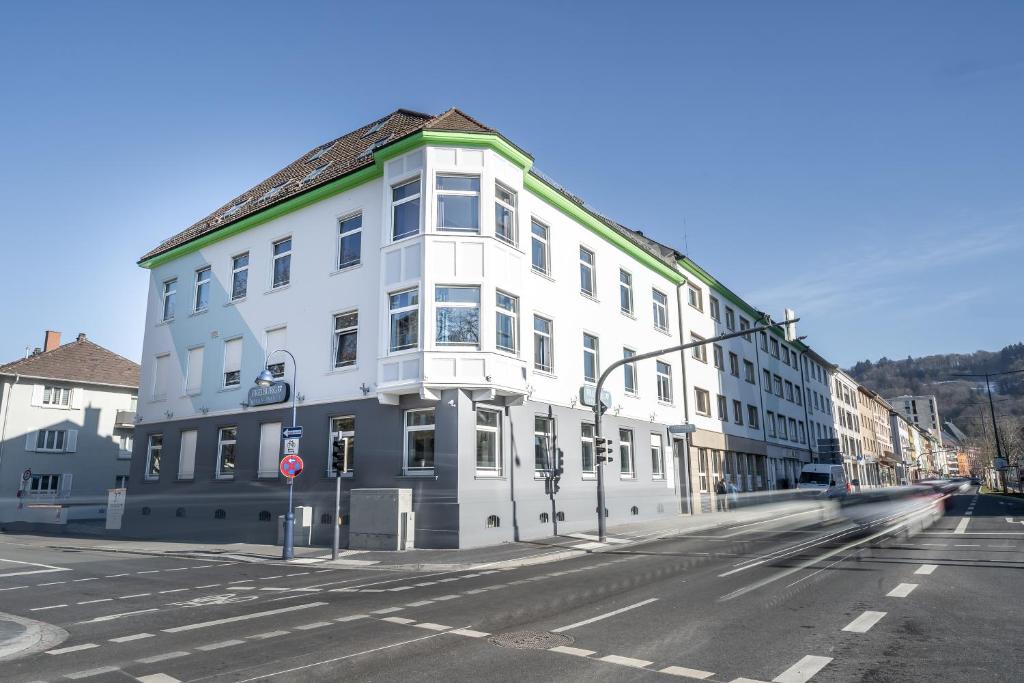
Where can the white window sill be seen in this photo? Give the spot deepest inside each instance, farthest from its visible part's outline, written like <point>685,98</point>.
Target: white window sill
<point>699,310</point>
<point>342,370</point>
<point>168,321</point>
<point>667,404</point>
<point>545,373</point>
<point>343,475</point>
<point>201,311</point>
<point>280,288</point>
<point>127,455</point>
<point>588,476</point>
<point>234,302</point>
<point>224,477</point>
<point>627,477</point>
<point>509,243</point>
<point>346,269</point>
<point>666,332</point>
<point>231,388</point>
<point>628,314</point>
<point>48,450</point>
<point>404,238</point>
<point>657,477</point>
<point>268,475</point>
<point>590,297</point>
<point>627,394</point>
<point>426,472</point>
<point>483,474</point>
<point>458,231</point>
<point>190,394</point>
<point>541,273</point>
<point>53,407</point>
<point>151,479</point>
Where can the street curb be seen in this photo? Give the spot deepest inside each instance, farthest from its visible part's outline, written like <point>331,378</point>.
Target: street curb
<point>1004,496</point>
<point>38,636</point>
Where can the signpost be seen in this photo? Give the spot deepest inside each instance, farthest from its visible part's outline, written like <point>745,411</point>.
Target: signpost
<point>679,430</point>
<point>292,432</point>
<point>26,475</point>
<point>291,467</point>
<point>291,446</point>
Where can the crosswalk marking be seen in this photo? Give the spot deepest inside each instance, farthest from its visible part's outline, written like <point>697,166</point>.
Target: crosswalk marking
<point>157,678</point>
<point>92,672</point>
<point>165,656</point>
<point>625,661</point>
<point>73,648</point>
<point>127,639</point>
<point>575,651</point>
<point>902,590</point>
<point>802,671</point>
<point>864,622</point>
<point>688,673</point>
<point>926,569</point>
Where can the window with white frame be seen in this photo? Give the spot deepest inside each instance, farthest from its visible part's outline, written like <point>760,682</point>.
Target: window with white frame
<point>342,445</point>
<point>792,429</point>
<point>763,336</point>
<point>543,348</point>
<point>700,351</point>
<point>154,451</point>
<point>723,408</point>
<point>664,371</point>
<point>629,371</point>
<point>457,315</point>
<point>625,292</point>
<point>766,380</point>
<point>202,297</point>
<point>660,304</point>
<point>506,322</point>
<point>350,241</point>
<point>505,227</point>
<point>276,340</point>
<point>702,401</point>
<point>657,456</point>
<point>745,325</point>
<point>769,423</point>
<point>748,372</point>
<point>44,484</point>
<point>194,371</point>
<point>543,437</point>
<point>702,470</point>
<point>541,258</point>
<point>239,276</point>
<point>753,419</point>
<point>488,442</point>
<point>789,390</point>
<point>346,337</point>
<point>233,362</point>
<point>587,283</point>
<point>282,265</point>
<point>718,356</point>
<point>695,297</point>
<point>170,291</point>
<point>54,440</point>
<point>419,440</point>
<point>124,443</point>
<point>405,209</point>
<point>226,439</point>
<point>590,358</point>
<point>737,412</point>
<point>56,396</point>
<point>775,348</point>
<point>587,448</point>
<point>714,308</point>
<point>627,468</point>
<point>780,424</point>
<point>778,385</point>
<point>161,371</point>
<point>734,364</point>
<point>458,203</point>
<point>730,318</point>
<point>405,319</point>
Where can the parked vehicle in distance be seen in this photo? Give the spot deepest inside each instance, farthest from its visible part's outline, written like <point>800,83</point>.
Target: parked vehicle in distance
<point>975,481</point>
<point>829,480</point>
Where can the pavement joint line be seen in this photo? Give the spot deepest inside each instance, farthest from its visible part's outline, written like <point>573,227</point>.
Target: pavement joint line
<point>164,657</point>
<point>88,673</point>
<point>73,648</point>
<point>574,651</point>
<point>128,639</point>
<point>688,673</point>
<point>864,622</point>
<point>625,661</point>
<point>926,569</point>
<point>430,626</point>
<point>268,635</point>
<point>902,590</point>
<point>469,633</point>
<point>803,671</point>
<point>221,644</point>
<point>242,617</point>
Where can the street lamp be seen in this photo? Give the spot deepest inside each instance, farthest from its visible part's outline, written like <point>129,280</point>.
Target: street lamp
<point>265,379</point>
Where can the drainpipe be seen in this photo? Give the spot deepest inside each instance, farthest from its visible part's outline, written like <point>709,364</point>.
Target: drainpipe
<point>684,465</point>
<point>3,425</point>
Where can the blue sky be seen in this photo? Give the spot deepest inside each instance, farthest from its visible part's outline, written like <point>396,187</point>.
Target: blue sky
<point>859,162</point>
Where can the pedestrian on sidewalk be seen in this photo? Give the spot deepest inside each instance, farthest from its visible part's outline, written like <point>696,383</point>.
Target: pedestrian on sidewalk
<point>734,498</point>
<point>721,503</point>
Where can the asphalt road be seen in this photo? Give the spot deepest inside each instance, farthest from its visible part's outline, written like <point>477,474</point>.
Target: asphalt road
<point>788,600</point>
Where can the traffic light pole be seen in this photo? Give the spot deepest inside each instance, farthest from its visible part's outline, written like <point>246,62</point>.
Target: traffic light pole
<point>598,411</point>
<point>337,516</point>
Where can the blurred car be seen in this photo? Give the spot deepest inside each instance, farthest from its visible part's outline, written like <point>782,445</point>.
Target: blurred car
<point>975,481</point>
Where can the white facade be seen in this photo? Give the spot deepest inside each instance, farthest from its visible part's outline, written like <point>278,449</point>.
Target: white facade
<point>923,411</point>
<point>846,417</point>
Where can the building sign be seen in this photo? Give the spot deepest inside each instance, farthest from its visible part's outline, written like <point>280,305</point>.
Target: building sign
<point>265,396</point>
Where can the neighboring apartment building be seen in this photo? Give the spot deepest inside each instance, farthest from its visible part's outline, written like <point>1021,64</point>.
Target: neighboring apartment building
<point>907,471</point>
<point>922,411</point>
<point>876,438</point>
<point>846,417</point>
<point>817,378</point>
<point>66,425</point>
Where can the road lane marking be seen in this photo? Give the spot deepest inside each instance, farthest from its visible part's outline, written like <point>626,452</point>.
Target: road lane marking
<point>604,616</point>
<point>267,635</point>
<point>51,583</point>
<point>91,578</point>
<point>469,633</point>
<point>39,609</point>
<point>432,626</point>
<point>399,620</point>
<point>111,617</point>
<point>574,651</point>
<point>387,610</point>
<point>421,603</point>
<point>157,678</point>
<point>221,644</point>
<point>315,624</point>
<point>353,617</point>
<point>113,576</point>
<point>902,590</point>
<point>73,648</point>
<point>47,568</point>
<point>688,673</point>
<point>451,596</point>
<point>164,657</point>
<point>135,595</point>
<point>209,585</point>
<point>242,617</point>
<point>625,661</point>
<point>803,671</point>
<point>92,602</point>
<point>961,528</point>
<point>12,588</point>
<point>149,571</point>
<point>174,590</point>
<point>864,622</point>
<point>926,569</point>
<point>966,545</point>
<point>92,672</point>
<point>127,639</point>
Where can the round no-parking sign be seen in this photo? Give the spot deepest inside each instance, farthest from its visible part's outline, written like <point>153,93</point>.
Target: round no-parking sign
<point>291,466</point>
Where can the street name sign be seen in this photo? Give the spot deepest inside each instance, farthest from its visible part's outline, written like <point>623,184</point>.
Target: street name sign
<point>682,429</point>
<point>269,395</point>
<point>292,432</point>
<point>588,396</point>
<point>291,466</point>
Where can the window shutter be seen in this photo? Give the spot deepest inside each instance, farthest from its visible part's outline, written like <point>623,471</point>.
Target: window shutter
<point>37,395</point>
<point>277,339</point>
<point>194,377</point>
<point>30,441</point>
<point>65,485</point>
<point>187,454</point>
<point>232,355</point>
<point>270,449</point>
<point>77,394</point>
<point>71,443</point>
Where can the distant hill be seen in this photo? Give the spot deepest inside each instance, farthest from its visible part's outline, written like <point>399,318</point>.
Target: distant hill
<point>962,400</point>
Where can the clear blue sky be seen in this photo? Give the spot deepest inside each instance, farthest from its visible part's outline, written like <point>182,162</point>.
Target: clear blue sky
<point>859,162</point>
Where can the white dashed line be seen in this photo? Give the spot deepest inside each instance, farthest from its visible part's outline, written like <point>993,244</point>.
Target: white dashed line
<point>91,578</point>
<point>864,622</point>
<point>625,661</point>
<point>242,617</point>
<point>157,678</point>
<point>73,648</point>
<point>209,585</point>
<point>604,616</point>
<point>40,609</point>
<point>176,569</point>
<point>127,639</point>
<point>135,595</point>
<point>433,627</point>
<point>12,588</point>
<point>421,603</point>
<point>315,624</point>
<point>469,633</point>
<point>149,571</point>
<point>174,590</point>
<point>926,569</point>
<point>267,635</point>
<point>387,610</point>
<point>91,602</point>
<point>961,528</point>
<point>164,657</point>
<point>51,583</point>
<point>113,576</point>
<point>353,617</point>
<point>902,590</point>
<point>574,651</point>
<point>688,673</point>
<point>92,672</point>
<point>399,620</point>
<point>111,617</point>
<point>448,597</point>
<point>221,644</point>
<point>802,671</point>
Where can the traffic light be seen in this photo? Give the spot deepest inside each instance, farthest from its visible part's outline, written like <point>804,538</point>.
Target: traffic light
<point>338,457</point>
<point>559,463</point>
<point>603,448</point>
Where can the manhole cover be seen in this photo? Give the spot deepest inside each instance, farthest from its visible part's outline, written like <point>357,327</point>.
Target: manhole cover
<point>531,640</point>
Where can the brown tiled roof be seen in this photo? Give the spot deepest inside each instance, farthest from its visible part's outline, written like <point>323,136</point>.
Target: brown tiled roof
<point>78,361</point>
<point>343,155</point>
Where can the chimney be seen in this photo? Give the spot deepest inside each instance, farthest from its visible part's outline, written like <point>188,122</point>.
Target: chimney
<point>51,340</point>
<point>80,337</point>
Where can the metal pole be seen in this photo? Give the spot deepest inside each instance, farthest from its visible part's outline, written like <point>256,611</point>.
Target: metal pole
<point>337,514</point>
<point>288,552</point>
<point>995,425</point>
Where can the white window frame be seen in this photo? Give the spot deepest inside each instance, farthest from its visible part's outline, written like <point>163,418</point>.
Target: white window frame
<point>347,438</point>
<point>714,308</point>
<point>718,356</point>
<point>587,441</point>
<point>191,372</point>
<point>277,368</point>
<point>722,407</point>
<point>224,362</point>
<point>512,238</point>
<point>168,297</point>
<point>753,417</point>
<point>275,257</point>
<point>409,429</point>
<point>497,468</point>
<point>627,465</point>
<point>545,242</point>
<point>588,272</point>
<point>657,457</point>
<point>413,308</point>
<point>545,339</point>
<point>356,233</point>
<point>734,364</point>
<point>57,444</point>
<point>236,272</point>
<point>737,412</point>
<point>596,353</point>
<point>512,314</point>
<point>219,472</point>
<point>405,200</point>
<point>548,435</point>
<point>158,449</point>
<point>699,394</point>
<point>663,371</point>
<point>660,309</point>
<point>338,333</point>
<point>749,372</point>
<point>61,394</point>
<point>699,352</point>
<point>730,319</point>
<point>439,193</point>
<point>35,485</point>
<point>202,284</point>
<point>629,376</point>
<point>695,298</point>
<point>468,305</point>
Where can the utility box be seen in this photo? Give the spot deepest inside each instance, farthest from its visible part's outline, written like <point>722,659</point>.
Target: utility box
<point>381,519</point>
<point>302,529</point>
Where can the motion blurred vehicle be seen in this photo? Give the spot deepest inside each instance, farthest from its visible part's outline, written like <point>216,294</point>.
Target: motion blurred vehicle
<point>828,480</point>
<point>975,481</point>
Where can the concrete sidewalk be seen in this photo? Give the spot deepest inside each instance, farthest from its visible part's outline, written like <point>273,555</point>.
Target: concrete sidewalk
<point>20,637</point>
<point>504,556</point>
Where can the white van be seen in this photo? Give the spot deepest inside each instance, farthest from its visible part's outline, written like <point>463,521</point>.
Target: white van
<point>827,479</point>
